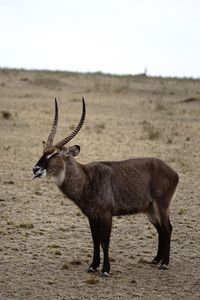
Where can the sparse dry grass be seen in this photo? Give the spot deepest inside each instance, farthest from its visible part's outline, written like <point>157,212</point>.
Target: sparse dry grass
<point>151,131</point>
<point>45,240</point>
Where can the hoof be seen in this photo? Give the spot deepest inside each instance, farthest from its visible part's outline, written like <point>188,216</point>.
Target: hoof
<point>105,274</point>
<point>91,270</point>
<point>163,267</point>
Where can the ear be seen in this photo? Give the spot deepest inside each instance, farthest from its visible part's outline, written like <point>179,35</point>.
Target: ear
<point>74,150</point>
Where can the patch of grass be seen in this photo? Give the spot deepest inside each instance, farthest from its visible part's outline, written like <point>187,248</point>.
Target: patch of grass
<point>160,106</point>
<point>92,281</point>
<point>37,191</point>
<point>6,115</point>
<point>152,132</point>
<point>63,229</point>
<point>148,236</point>
<point>41,233</point>
<point>9,182</point>
<point>50,282</point>
<point>76,100</point>
<point>99,128</point>
<point>75,262</point>
<point>169,140</point>
<point>54,246</point>
<point>181,211</point>
<point>10,223</point>
<point>24,79</point>
<point>65,266</point>
<point>143,261</point>
<point>133,280</point>
<point>191,99</point>
<point>15,249</point>
<point>57,252</point>
<point>78,214</point>
<point>73,226</point>
<point>122,87</point>
<point>47,82</point>
<point>26,225</point>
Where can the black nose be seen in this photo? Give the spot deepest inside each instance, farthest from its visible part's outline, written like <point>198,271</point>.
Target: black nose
<point>35,169</point>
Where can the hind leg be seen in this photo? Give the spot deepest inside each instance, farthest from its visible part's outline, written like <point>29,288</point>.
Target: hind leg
<point>154,217</point>
<point>161,222</point>
<point>166,235</point>
<point>158,258</point>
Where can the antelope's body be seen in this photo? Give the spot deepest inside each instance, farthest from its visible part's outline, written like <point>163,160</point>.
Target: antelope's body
<point>106,189</point>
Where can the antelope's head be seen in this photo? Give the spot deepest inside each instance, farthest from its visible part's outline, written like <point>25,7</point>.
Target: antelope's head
<point>52,162</point>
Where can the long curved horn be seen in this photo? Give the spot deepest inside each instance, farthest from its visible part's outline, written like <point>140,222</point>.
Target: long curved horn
<point>54,127</point>
<point>76,130</point>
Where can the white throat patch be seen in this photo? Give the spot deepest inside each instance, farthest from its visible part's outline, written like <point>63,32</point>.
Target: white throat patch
<point>44,173</point>
<point>59,179</point>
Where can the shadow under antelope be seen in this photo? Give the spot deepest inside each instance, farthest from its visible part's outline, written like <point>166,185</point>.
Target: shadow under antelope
<point>111,188</point>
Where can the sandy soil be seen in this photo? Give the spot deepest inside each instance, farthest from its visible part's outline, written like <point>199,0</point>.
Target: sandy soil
<point>45,242</point>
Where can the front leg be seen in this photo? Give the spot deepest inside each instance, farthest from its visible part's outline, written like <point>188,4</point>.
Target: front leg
<point>105,231</point>
<point>95,230</point>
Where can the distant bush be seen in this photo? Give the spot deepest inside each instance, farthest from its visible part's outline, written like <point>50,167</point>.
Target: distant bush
<point>153,133</point>
<point>6,114</point>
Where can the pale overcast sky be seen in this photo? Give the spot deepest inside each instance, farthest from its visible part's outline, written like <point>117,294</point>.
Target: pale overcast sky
<point>112,36</point>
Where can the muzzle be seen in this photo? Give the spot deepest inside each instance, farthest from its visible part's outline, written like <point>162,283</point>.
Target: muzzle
<point>38,172</point>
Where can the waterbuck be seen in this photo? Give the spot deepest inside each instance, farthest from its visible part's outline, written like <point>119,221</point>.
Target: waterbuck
<point>111,188</point>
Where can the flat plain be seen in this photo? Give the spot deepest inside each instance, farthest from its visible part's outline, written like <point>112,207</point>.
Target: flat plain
<point>45,241</point>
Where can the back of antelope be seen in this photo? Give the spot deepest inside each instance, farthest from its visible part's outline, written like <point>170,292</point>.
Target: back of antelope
<point>106,189</point>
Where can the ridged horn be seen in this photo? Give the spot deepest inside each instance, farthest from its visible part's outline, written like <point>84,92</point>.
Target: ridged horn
<point>76,130</point>
<point>54,127</point>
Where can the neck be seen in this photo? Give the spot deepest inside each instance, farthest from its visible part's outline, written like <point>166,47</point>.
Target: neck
<point>72,180</point>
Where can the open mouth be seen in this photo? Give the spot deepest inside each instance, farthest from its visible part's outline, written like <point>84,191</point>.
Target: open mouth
<point>39,173</point>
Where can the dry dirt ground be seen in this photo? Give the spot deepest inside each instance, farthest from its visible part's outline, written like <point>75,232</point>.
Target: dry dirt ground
<point>45,242</point>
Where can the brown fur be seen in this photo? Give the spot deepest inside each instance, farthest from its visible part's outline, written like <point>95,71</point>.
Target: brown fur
<point>105,189</point>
